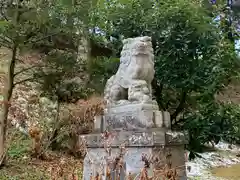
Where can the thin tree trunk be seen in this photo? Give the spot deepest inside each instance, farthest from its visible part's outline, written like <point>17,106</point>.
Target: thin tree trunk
<point>53,139</point>
<point>8,89</point>
<point>180,107</point>
<point>158,93</point>
<point>83,56</point>
<point>3,124</point>
<point>8,92</point>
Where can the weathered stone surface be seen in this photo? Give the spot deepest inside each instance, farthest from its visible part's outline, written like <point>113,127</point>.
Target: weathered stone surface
<point>129,138</point>
<point>132,82</point>
<point>98,124</point>
<point>173,137</point>
<point>128,93</point>
<point>162,119</point>
<point>157,143</point>
<point>131,119</point>
<point>96,160</point>
<point>173,154</point>
<point>150,137</point>
<point>136,117</point>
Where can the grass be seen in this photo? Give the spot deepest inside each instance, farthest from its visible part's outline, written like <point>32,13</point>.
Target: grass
<point>20,170</point>
<point>19,164</point>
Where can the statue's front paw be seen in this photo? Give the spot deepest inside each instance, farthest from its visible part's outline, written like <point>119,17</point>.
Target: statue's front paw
<point>145,90</point>
<point>146,98</point>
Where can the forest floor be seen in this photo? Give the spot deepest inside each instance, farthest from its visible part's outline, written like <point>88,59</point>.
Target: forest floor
<point>22,166</point>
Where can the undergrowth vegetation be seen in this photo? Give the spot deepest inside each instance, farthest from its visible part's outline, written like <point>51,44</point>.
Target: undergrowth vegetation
<point>19,148</point>
<point>79,44</point>
<point>22,165</point>
<point>213,123</point>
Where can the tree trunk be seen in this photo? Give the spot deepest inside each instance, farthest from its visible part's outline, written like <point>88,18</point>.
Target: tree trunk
<point>3,128</point>
<point>158,93</point>
<point>3,123</point>
<point>83,56</point>
<point>180,107</point>
<point>7,94</point>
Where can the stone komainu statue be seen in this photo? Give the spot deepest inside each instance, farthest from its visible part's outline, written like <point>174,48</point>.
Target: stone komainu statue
<point>132,82</point>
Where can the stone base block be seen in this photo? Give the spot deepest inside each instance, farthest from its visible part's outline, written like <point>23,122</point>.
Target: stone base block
<point>136,117</point>
<point>95,161</point>
<point>160,147</point>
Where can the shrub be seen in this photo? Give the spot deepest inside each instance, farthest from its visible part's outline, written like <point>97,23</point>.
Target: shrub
<point>74,120</point>
<point>212,123</point>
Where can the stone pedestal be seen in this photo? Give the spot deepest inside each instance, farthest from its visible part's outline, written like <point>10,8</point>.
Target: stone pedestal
<point>136,117</point>
<point>143,130</point>
<point>132,120</point>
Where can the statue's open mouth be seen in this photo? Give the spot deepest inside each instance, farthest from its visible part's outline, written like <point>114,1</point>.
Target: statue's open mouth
<point>142,48</point>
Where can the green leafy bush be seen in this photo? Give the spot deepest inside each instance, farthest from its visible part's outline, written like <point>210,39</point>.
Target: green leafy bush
<point>231,115</point>
<point>212,123</point>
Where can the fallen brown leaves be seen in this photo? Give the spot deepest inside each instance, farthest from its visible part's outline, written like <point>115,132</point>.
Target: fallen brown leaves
<point>60,167</point>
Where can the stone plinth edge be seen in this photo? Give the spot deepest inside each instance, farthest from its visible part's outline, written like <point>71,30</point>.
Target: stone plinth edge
<point>154,137</point>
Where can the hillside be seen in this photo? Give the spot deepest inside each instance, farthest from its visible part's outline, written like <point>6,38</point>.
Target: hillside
<point>28,108</point>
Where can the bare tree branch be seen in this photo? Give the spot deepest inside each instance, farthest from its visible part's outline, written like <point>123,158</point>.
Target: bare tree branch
<point>5,45</point>
<point>29,79</point>
<point>20,60</point>
<point>26,69</point>
<point>3,14</point>
<point>5,38</point>
<point>40,39</point>
<point>24,80</point>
